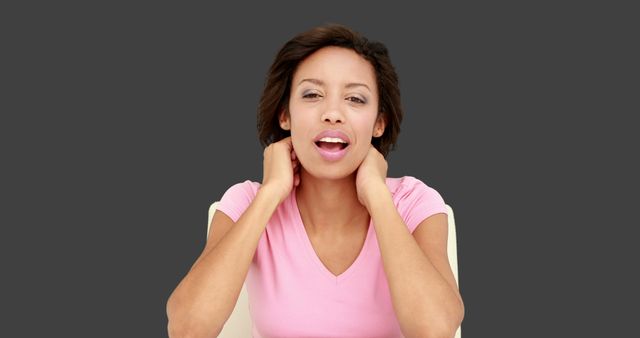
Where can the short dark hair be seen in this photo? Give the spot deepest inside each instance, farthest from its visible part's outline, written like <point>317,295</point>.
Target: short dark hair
<point>275,95</point>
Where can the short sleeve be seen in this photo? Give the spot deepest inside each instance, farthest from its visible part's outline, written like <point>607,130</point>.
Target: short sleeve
<point>417,201</point>
<point>237,199</point>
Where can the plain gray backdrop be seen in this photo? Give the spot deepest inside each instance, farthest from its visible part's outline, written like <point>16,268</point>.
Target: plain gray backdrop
<point>121,124</point>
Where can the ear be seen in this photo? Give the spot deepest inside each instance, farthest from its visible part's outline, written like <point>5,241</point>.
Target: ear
<point>378,128</point>
<point>284,120</point>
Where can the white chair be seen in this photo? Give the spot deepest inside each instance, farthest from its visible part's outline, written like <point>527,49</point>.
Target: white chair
<point>239,323</point>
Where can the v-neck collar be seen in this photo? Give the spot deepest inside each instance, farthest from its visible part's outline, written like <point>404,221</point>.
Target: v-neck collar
<point>302,232</point>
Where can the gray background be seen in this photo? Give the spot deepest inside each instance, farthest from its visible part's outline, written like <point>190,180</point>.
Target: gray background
<point>122,123</point>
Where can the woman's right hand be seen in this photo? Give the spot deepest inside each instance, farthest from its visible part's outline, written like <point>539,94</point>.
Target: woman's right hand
<point>281,168</point>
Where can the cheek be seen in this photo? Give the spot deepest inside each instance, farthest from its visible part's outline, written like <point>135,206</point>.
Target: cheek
<point>364,129</point>
<point>301,122</point>
<point>302,145</point>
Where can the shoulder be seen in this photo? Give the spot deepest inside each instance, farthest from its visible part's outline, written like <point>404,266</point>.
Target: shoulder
<point>237,198</point>
<point>409,187</point>
<point>246,188</point>
<point>415,200</point>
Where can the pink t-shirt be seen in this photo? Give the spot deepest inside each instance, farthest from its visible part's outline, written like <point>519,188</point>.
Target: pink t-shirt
<point>292,294</point>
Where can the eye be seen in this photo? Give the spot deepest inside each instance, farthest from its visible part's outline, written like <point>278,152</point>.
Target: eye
<point>356,99</point>
<point>311,95</point>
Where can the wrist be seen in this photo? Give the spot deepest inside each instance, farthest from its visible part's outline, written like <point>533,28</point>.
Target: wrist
<point>272,192</point>
<point>376,193</point>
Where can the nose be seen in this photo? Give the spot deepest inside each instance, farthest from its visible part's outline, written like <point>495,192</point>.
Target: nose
<point>333,114</point>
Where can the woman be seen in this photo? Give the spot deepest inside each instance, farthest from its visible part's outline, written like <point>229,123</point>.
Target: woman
<point>328,245</point>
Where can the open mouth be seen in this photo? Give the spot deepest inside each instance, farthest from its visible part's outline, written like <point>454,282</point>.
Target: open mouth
<point>331,146</point>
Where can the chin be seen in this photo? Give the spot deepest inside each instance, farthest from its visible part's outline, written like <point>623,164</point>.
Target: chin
<point>330,171</point>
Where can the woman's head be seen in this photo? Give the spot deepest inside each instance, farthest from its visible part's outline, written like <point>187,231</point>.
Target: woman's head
<point>331,78</point>
<point>275,96</point>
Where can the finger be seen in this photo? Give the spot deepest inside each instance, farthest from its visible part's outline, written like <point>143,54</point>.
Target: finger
<point>286,142</point>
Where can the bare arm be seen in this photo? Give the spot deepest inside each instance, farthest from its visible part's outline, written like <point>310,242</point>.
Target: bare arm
<point>206,296</point>
<point>423,290</point>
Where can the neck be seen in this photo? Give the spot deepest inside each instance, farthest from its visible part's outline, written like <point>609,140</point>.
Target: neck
<point>330,206</point>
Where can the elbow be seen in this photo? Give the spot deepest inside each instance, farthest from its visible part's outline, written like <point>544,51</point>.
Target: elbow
<point>177,332</point>
<point>450,324</point>
<point>444,332</point>
<point>182,325</point>
<point>445,328</point>
<point>187,331</point>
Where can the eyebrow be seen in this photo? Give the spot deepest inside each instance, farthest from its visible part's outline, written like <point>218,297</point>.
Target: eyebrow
<point>321,83</point>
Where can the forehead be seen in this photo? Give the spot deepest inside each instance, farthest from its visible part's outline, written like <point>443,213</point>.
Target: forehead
<point>336,65</point>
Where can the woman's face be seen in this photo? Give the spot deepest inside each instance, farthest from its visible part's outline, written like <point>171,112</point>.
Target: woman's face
<point>334,89</point>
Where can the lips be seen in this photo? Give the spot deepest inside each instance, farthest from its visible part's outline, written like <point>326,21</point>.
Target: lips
<point>334,153</point>
<point>333,133</point>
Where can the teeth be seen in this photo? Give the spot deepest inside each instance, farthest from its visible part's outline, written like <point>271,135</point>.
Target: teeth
<point>331,139</point>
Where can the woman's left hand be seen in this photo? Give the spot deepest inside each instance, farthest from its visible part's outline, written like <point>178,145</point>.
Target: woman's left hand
<point>371,176</point>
